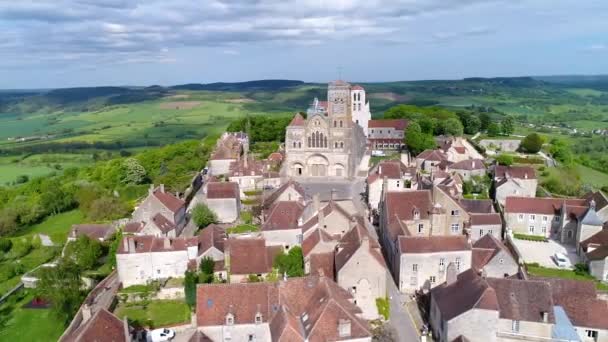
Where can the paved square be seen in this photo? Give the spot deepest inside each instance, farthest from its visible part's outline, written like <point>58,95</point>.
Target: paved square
<point>542,252</point>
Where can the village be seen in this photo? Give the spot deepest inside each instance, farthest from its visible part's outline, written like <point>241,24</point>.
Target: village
<point>344,235</point>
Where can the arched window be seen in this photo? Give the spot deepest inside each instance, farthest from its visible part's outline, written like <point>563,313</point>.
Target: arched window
<point>341,144</point>
<point>359,96</point>
<point>294,144</point>
<point>299,144</point>
<point>354,96</point>
<point>335,123</point>
<point>340,123</point>
<point>325,142</point>
<point>336,144</point>
<point>309,141</point>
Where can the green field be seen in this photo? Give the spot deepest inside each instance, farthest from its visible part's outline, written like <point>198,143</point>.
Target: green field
<point>155,313</point>
<point>57,226</point>
<point>38,165</point>
<point>593,177</point>
<point>28,325</point>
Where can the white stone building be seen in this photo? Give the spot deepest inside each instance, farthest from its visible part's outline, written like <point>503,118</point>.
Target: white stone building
<point>514,181</point>
<point>224,199</point>
<point>360,108</point>
<point>160,214</point>
<point>386,134</point>
<point>398,178</point>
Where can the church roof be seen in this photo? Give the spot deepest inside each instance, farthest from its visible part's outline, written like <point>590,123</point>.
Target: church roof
<point>357,87</point>
<point>297,120</point>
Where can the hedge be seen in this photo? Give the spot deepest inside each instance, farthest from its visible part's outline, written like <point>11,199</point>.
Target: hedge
<point>530,237</point>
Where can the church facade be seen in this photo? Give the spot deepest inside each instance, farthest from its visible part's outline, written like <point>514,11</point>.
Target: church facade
<point>329,143</point>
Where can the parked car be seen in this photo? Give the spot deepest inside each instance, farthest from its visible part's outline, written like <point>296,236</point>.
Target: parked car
<point>160,335</point>
<point>561,260</point>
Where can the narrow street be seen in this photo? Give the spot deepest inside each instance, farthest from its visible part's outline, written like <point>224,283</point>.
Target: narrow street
<point>400,319</point>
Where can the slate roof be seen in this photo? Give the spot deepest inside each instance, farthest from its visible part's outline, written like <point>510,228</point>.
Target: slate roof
<point>216,190</point>
<point>93,231</point>
<point>599,197</point>
<point>433,244</point>
<point>523,300</point>
<point>473,206</point>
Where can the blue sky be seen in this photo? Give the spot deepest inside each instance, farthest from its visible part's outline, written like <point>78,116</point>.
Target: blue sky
<point>64,43</point>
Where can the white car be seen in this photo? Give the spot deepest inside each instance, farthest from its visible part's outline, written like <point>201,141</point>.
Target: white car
<point>160,335</point>
<point>561,260</point>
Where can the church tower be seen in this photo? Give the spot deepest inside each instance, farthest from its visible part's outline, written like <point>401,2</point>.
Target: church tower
<point>360,108</point>
<point>338,102</point>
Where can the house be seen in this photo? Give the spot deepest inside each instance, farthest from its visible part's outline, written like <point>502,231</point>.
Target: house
<point>422,261</point>
<point>316,243</point>
<point>601,203</point>
<point>492,258</point>
<point>227,150</point>
<point>211,242</point>
<point>101,232</point>
<point>594,251</point>
<point>101,326</point>
<point>247,173</point>
<point>469,168</point>
<point>570,221</point>
<point>398,178</point>
<point>330,216</point>
<point>386,134</point>
<point>249,256</point>
<point>141,259</point>
<point>457,149</point>
<point>224,199</point>
<point>312,308</point>
<point>280,225</point>
<point>480,225</point>
<point>160,214</point>
<point>431,160</point>
<point>289,191</point>
<point>514,181</point>
<point>474,308</point>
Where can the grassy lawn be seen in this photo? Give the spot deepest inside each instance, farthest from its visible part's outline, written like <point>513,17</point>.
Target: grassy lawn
<point>57,226</point>
<point>540,271</point>
<point>593,177</point>
<point>28,324</point>
<point>243,228</point>
<point>157,313</point>
<point>35,257</point>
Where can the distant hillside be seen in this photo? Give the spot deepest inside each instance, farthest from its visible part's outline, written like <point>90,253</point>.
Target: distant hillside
<point>597,82</point>
<point>241,86</point>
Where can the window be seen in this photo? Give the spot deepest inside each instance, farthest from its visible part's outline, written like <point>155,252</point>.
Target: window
<point>569,234</point>
<point>531,229</point>
<point>532,217</point>
<point>229,319</point>
<point>336,144</point>
<point>416,215</point>
<point>432,279</point>
<point>441,263</point>
<point>591,334</point>
<point>294,144</point>
<point>420,228</point>
<point>299,144</point>
<point>543,229</point>
<point>340,123</point>
<point>501,260</point>
<point>372,131</point>
<point>335,123</point>
<point>481,232</point>
<point>415,268</point>
<point>250,337</point>
<point>397,183</point>
<point>556,218</point>
<point>455,212</point>
<point>353,289</point>
<point>520,217</point>
<point>380,131</point>
<point>258,318</point>
<point>458,264</point>
<point>545,218</point>
<point>455,227</point>
<point>341,144</point>
<point>515,326</point>
<point>490,232</point>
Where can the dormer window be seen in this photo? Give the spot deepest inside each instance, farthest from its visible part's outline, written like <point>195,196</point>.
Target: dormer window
<point>416,214</point>
<point>258,318</point>
<point>229,319</point>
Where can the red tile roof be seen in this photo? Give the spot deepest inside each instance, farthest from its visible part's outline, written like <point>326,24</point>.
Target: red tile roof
<point>93,231</point>
<point>433,244</point>
<point>432,155</point>
<point>275,156</point>
<point>391,169</point>
<point>134,227</point>
<point>239,168</point>
<point>222,190</point>
<point>523,300</point>
<point>538,205</point>
<point>283,215</point>
<point>357,87</point>
<point>404,203</point>
<point>352,241</point>
<point>520,172</point>
<point>397,124</point>
<point>149,243</point>
<point>485,249</point>
<point>162,223</point>
<point>297,120</point>
<point>485,219</point>
<point>169,201</point>
<point>599,242</point>
<point>469,165</point>
<point>102,326</point>
<point>322,262</point>
<point>211,236</point>
<point>250,256</point>
<point>289,184</point>
<point>314,238</point>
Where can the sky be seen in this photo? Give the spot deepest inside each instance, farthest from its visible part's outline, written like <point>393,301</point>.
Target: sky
<point>68,43</point>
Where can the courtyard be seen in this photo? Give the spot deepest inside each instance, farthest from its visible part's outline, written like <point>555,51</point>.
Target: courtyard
<point>542,253</point>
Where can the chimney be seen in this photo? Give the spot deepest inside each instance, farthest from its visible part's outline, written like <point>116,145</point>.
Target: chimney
<point>131,245</point>
<point>316,202</point>
<point>451,274</point>
<point>162,188</point>
<point>167,243</point>
<point>592,204</point>
<point>344,328</point>
<point>380,169</point>
<point>545,316</point>
<point>332,195</point>
<point>125,244</point>
<point>151,189</point>
<point>86,313</point>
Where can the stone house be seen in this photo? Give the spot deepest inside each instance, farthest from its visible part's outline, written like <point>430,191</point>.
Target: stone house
<point>480,225</point>
<point>249,256</point>
<point>280,226</point>
<point>247,173</point>
<point>457,149</point>
<point>227,150</point>
<point>492,258</point>
<point>474,308</point>
<point>160,214</point>
<point>386,134</point>
<point>224,199</point>
<point>601,204</point>
<point>422,261</point>
<point>431,161</point>
<point>517,181</point>
<point>594,251</point>
<point>294,310</point>
<point>469,168</point>
<point>330,216</point>
<point>289,191</point>
<point>141,259</point>
<point>211,242</point>
<point>316,243</point>
<point>101,326</point>
<point>100,232</point>
<point>398,178</point>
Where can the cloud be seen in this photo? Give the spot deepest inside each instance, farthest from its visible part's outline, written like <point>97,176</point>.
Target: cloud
<point>597,47</point>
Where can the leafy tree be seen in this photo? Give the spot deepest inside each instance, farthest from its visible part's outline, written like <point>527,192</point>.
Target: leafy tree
<point>427,125</point>
<point>485,121</point>
<point>203,216</point>
<point>451,127</point>
<point>507,125</point>
<point>135,173</point>
<point>561,151</point>
<point>493,129</point>
<point>190,281</point>
<point>505,159</point>
<point>22,179</point>
<point>63,287</point>
<point>5,245</point>
<point>107,208</point>
<point>83,252</point>
<point>470,122</point>
<point>116,240</point>
<point>532,143</point>
<point>416,140</point>
<point>207,265</point>
<point>291,263</point>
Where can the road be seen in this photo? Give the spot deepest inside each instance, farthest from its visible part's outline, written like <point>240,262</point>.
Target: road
<point>400,319</point>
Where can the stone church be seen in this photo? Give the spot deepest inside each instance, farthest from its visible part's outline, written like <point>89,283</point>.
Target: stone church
<point>329,143</point>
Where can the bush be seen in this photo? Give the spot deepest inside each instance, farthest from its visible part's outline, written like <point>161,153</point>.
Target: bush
<point>383,306</point>
<point>291,263</point>
<point>203,216</point>
<point>530,237</point>
<point>5,245</point>
<point>532,143</point>
<point>505,159</point>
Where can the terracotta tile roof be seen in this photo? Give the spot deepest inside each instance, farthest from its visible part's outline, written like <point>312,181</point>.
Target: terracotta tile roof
<point>473,206</point>
<point>469,291</point>
<point>93,231</point>
<point>308,307</point>
<point>149,243</point>
<point>433,244</point>
<point>480,257</point>
<point>322,262</point>
<point>239,168</point>
<point>211,236</point>
<point>357,87</point>
<point>538,205</point>
<point>469,165</point>
<point>579,300</point>
<point>460,149</point>
<point>433,155</point>
<point>250,256</point>
<point>485,249</point>
<point>228,147</point>
<point>352,241</point>
<point>404,203</point>
<point>162,223</point>
<point>485,219</point>
<point>291,183</point>
<point>520,172</point>
<point>314,238</point>
<point>397,124</point>
<point>222,190</point>
<point>134,227</point>
<point>283,215</point>
<point>275,156</point>
<point>199,336</point>
<point>523,300</point>
<point>391,169</point>
<point>101,327</point>
<point>297,120</point>
<point>169,201</point>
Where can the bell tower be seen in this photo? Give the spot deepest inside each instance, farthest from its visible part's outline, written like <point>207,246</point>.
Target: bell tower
<point>339,101</point>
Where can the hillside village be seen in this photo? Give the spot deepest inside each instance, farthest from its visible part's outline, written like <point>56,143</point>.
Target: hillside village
<point>344,235</point>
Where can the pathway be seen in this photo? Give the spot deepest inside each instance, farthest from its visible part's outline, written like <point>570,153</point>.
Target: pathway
<point>400,319</point>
